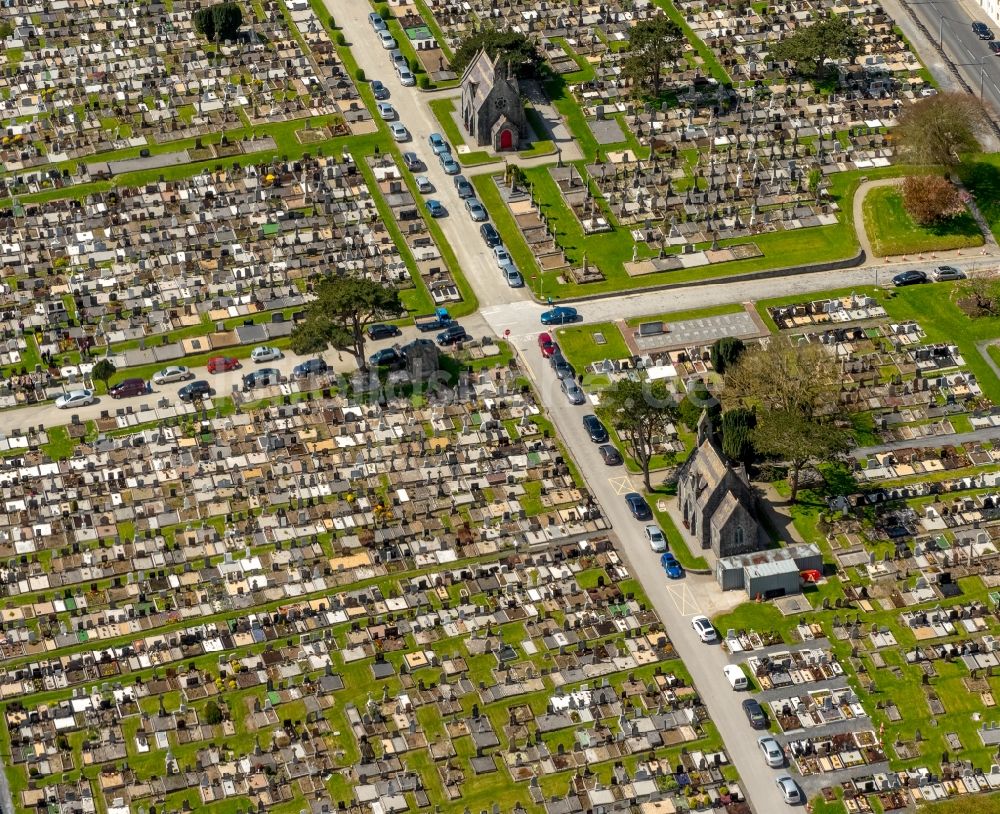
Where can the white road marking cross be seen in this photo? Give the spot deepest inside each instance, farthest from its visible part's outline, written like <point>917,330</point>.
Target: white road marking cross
<point>622,486</point>
<point>684,600</point>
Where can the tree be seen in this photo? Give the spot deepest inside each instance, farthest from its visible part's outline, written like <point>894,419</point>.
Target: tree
<point>337,318</point>
<point>930,199</point>
<point>204,23</point>
<point>938,129</point>
<point>833,38</point>
<point>228,19</point>
<point>640,412</point>
<point>103,371</point>
<point>213,714</point>
<point>698,399</point>
<point>726,352</point>
<point>784,376</point>
<point>515,49</point>
<point>654,44</point>
<point>737,429</point>
<point>797,439</point>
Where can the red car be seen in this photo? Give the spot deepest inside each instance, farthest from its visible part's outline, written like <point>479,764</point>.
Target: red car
<point>221,364</point>
<point>546,345</point>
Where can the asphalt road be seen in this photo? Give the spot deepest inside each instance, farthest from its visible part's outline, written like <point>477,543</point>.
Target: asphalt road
<point>475,258</point>
<point>950,22</point>
<point>676,601</point>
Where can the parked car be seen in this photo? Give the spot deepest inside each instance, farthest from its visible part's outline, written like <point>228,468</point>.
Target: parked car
<point>75,398</point>
<point>386,111</point>
<point>222,364</point>
<point>388,41</point>
<point>438,144</point>
<point>559,315</point>
<point>638,506</point>
<point>399,131</point>
<point>572,391</point>
<point>703,627</point>
<point>173,373</point>
<point>264,377</point>
<point>911,277</point>
<point>789,790</point>
<point>386,357</point>
<point>982,31</point>
<point>452,335</point>
<point>398,60</point>
<point>670,565</point>
<point>377,23</point>
<point>995,46</point>
<point>512,276</point>
<point>128,387</point>
<point>380,90</point>
<point>413,162</point>
<point>501,255</point>
<point>562,367</point>
<point>424,184</point>
<point>265,353</point>
<point>463,187</point>
<point>945,273</point>
<point>406,77</point>
<point>440,320</point>
<point>379,330</point>
<point>774,755</point>
<point>476,210</point>
<point>546,345</point>
<point>435,209</point>
<point>610,455</point>
<point>490,234</point>
<point>198,389</point>
<point>657,541</point>
<point>757,718</point>
<point>595,429</point>
<point>310,367</point>
<point>449,164</point>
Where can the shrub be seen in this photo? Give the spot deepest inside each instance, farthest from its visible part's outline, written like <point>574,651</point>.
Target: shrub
<point>383,12</point>
<point>930,199</point>
<point>331,22</point>
<point>359,74</point>
<point>340,38</point>
<point>423,81</point>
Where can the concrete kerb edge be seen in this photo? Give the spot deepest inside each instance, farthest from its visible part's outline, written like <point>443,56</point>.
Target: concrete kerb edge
<point>785,271</point>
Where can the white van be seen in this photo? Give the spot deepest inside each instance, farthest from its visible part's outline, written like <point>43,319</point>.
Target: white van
<point>735,676</point>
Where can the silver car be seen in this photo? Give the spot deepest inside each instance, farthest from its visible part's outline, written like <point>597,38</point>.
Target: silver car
<point>572,390</point>
<point>789,790</point>
<point>774,755</point>
<point>174,373</point>
<point>945,273</point>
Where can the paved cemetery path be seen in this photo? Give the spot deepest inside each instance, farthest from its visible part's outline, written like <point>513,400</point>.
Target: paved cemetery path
<point>987,434</point>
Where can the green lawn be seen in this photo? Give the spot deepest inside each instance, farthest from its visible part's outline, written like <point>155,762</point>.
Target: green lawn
<point>893,232</point>
<point>443,110</point>
<point>579,347</point>
<point>981,176</point>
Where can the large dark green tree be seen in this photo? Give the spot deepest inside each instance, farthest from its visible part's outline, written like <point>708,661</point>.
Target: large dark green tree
<point>515,49</point>
<point>640,412</point>
<point>737,434</point>
<point>833,38</point>
<point>337,318</point>
<point>218,22</point>
<point>653,46</point>
<point>726,352</point>
<point>103,370</point>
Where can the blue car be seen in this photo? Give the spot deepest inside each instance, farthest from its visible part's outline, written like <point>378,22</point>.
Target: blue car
<point>638,506</point>
<point>435,209</point>
<point>559,315</point>
<point>671,566</point>
<point>438,144</point>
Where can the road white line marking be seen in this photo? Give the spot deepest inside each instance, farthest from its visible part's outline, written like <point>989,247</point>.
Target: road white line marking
<point>683,600</point>
<point>622,486</point>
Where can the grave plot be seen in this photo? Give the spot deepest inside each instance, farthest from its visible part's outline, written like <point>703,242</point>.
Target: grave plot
<point>252,240</point>
<point>815,708</point>
<point>434,274</point>
<point>836,752</point>
<point>91,82</point>
<point>782,669</point>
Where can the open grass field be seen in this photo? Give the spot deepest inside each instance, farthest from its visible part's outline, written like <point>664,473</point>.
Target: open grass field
<point>893,232</point>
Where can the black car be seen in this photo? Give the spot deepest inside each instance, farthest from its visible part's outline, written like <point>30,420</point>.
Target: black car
<point>198,389</point>
<point>463,187</point>
<point>911,277</point>
<point>563,369</point>
<point>490,235</point>
<point>452,335</point>
<point>387,357</point>
<point>755,714</point>
<point>610,455</point>
<point>380,330</point>
<point>413,162</point>
<point>595,429</point>
<point>264,377</point>
<point>638,506</point>
<point>982,31</point>
<point>995,47</point>
<point>310,367</point>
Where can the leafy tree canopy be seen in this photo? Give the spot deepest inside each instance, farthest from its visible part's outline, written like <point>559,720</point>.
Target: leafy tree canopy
<point>218,22</point>
<point>654,45</point>
<point>938,129</point>
<point>103,370</point>
<point>515,49</point>
<point>833,38</point>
